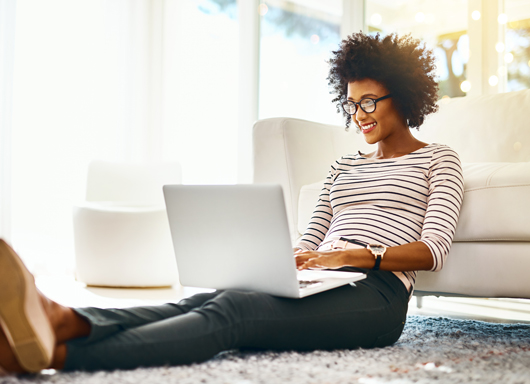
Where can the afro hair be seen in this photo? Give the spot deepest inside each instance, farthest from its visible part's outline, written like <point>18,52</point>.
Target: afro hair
<point>402,64</point>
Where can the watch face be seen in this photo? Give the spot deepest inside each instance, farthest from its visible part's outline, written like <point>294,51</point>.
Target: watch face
<point>377,248</point>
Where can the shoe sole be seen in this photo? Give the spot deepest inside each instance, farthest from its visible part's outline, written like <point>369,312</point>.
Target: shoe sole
<point>22,316</point>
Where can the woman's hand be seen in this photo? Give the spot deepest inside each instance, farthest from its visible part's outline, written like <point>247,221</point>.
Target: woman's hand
<point>321,259</point>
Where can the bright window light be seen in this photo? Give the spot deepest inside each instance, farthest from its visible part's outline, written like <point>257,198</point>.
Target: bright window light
<point>502,19</point>
<point>376,19</point>
<point>465,86</point>
<point>429,18</point>
<point>445,99</point>
<point>420,17</point>
<point>263,9</point>
<point>493,80</point>
<point>499,47</point>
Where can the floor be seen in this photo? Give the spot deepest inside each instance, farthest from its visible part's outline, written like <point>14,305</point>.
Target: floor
<point>67,291</point>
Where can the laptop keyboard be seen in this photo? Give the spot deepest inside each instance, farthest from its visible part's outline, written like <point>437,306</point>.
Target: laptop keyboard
<point>308,283</point>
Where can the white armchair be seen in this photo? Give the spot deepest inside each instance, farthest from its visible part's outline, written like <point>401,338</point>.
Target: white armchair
<point>121,231</point>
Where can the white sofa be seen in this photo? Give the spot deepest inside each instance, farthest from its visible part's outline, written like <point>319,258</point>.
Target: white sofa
<point>490,255</point>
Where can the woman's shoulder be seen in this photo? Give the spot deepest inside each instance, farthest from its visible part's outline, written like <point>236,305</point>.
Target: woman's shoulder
<point>443,150</point>
<point>445,160</point>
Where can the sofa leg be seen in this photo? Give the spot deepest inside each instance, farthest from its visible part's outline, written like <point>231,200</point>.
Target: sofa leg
<point>419,302</point>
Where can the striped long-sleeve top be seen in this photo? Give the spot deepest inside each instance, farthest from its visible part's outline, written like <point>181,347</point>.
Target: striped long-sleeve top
<point>415,197</point>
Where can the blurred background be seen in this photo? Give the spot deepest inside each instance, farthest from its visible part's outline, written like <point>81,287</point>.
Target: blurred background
<point>157,80</point>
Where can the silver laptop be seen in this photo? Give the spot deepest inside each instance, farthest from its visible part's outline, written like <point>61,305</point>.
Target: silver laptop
<point>237,237</point>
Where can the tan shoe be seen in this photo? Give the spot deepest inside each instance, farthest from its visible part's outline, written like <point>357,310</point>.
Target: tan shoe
<point>22,316</point>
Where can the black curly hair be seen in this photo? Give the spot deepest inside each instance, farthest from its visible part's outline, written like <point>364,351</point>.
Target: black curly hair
<point>401,64</point>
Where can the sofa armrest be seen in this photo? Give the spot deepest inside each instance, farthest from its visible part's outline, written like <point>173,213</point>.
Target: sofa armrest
<point>294,152</point>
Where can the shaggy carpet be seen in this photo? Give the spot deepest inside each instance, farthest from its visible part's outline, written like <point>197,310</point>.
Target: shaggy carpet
<point>430,350</point>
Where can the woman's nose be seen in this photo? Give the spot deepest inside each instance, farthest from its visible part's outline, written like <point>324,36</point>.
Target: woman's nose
<point>360,115</point>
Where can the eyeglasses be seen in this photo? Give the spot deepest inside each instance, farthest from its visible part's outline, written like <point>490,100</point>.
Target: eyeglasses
<point>366,104</point>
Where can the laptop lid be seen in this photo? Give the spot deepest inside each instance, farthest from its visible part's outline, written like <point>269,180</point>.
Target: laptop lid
<point>232,237</point>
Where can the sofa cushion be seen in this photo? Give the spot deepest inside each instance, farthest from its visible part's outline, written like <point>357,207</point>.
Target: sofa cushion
<point>496,203</point>
<point>487,128</point>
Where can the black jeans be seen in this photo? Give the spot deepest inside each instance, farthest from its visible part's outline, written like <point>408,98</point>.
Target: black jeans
<point>371,314</point>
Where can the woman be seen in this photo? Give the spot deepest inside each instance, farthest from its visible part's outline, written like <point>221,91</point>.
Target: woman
<point>403,200</point>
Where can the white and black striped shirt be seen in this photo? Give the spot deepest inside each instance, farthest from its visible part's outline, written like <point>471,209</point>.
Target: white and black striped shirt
<point>415,197</point>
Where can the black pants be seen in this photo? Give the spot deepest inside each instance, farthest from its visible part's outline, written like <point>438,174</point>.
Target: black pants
<point>371,314</point>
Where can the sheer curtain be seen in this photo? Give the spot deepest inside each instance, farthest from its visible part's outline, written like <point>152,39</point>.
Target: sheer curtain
<point>7,46</point>
<point>200,89</point>
<point>122,80</point>
<point>86,85</point>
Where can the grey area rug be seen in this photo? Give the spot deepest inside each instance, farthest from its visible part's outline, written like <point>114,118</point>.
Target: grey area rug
<point>430,350</point>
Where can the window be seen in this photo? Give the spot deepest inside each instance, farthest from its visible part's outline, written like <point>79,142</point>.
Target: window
<point>201,89</point>
<point>441,25</point>
<point>296,40</point>
<point>517,53</point>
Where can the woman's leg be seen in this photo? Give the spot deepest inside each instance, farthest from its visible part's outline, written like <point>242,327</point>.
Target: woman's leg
<point>92,324</point>
<point>34,329</point>
<point>69,323</point>
<point>105,322</point>
<point>369,315</point>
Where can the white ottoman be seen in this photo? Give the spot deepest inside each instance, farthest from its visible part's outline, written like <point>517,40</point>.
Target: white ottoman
<point>121,231</point>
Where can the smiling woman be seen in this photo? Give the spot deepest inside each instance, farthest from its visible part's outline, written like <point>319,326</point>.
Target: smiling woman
<point>388,197</point>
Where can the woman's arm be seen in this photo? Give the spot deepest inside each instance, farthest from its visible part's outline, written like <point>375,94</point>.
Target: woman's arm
<point>446,194</point>
<point>407,257</point>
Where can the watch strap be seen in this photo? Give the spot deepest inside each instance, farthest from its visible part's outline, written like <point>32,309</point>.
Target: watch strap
<point>377,263</point>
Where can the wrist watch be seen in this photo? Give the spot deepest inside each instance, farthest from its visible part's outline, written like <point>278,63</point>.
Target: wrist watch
<point>378,250</point>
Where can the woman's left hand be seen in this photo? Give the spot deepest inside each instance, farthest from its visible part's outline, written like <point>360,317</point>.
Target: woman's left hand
<point>321,259</point>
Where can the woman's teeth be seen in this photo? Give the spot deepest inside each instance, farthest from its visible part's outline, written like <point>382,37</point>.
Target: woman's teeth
<point>367,128</point>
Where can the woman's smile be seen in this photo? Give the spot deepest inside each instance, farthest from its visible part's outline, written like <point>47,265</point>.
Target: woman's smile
<point>368,127</point>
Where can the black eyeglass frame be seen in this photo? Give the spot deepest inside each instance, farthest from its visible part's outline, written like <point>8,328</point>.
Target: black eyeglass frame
<point>360,106</point>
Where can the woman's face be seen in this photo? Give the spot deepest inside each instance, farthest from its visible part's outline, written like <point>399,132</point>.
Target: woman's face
<point>386,121</point>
